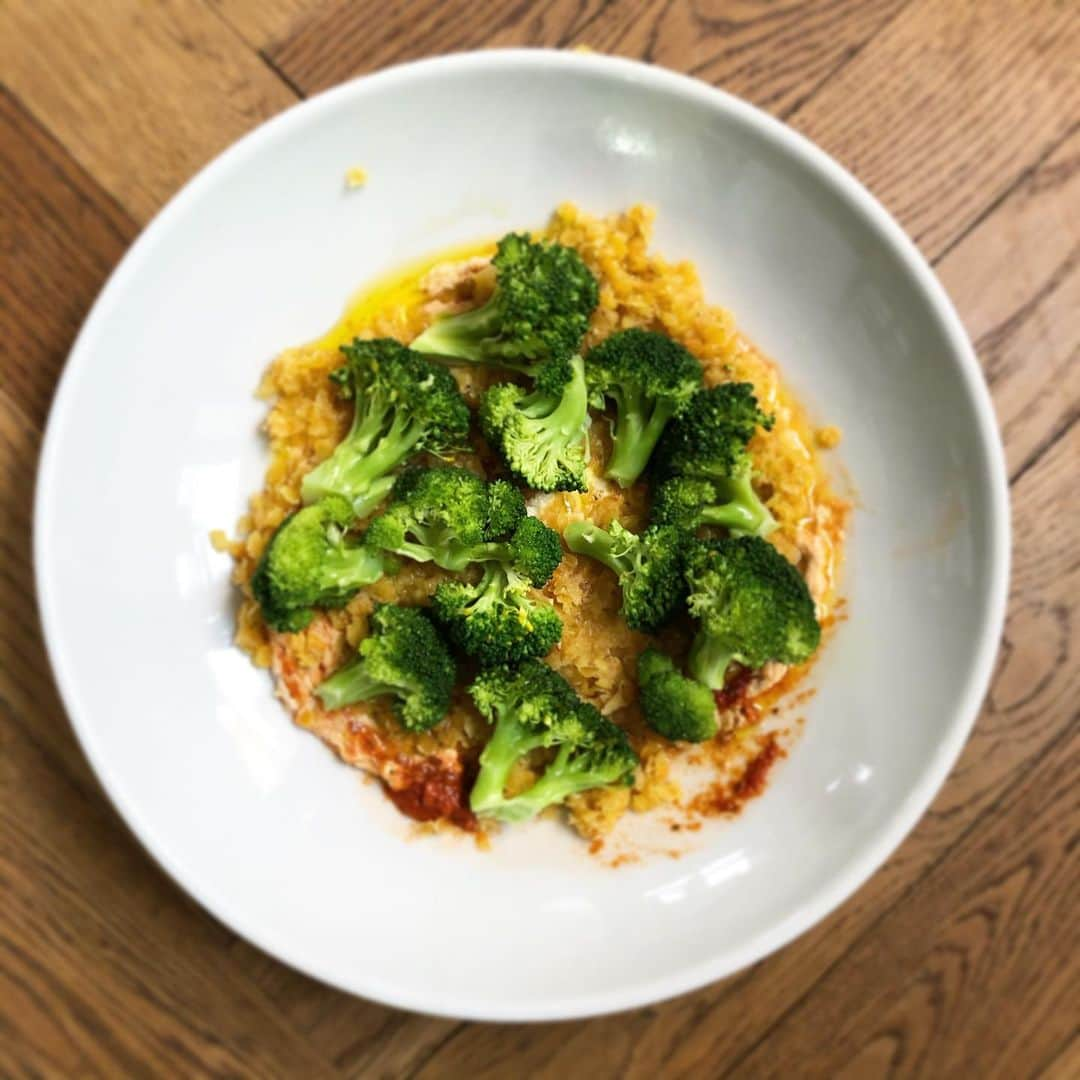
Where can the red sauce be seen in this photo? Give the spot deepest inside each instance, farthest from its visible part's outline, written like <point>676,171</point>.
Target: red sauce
<point>756,776</point>
<point>734,690</point>
<point>432,790</point>
<point>424,789</point>
<point>721,799</point>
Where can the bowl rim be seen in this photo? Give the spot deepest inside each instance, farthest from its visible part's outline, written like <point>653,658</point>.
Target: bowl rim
<point>904,817</point>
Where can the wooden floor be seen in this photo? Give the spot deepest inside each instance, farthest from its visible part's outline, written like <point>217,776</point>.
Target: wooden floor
<point>960,957</point>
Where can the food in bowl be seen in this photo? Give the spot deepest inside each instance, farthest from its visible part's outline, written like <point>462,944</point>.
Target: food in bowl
<point>539,522</point>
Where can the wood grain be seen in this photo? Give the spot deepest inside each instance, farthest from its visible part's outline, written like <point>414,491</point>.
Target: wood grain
<point>79,894</point>
<point>950,106</point>
<point>1016,279</point>
<point>140,119</point>
<point>958,957</point>
<point>268,22</point>
<point>772,54</point>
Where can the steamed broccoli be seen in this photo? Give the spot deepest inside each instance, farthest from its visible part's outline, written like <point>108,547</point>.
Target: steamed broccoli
<point>496,620</point>
<point>649,567</point>
<point>402,404</point>
<point>541,434</point>
<point>688,501</point>
<point>506,508</point>
<point>673,705</point>
<point>404,657</point>
<point>452,517</point>
<point>309,563</point>
<point>650,379</point>
<point>751,605</point>
<point>708,442</point>
<point>438,515</point>
<point>544,295</point>
<point>532,707</point>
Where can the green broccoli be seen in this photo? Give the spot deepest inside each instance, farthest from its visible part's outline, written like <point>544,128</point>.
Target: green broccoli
<point>436,515</point>
<point>751,604</point>
<point>310,563</point>
<point>532,707</point>
<point>541,434</point>
<point>649,567</point>
<point>650,379</point>
<point>506,508</point>
<point>452,517</point>
<point>673,705</point>
<point>402,404</point>
<point>403,657</point>
<point>708,442</point>
<point>497,620</point>
<point>544,295</point>
<point>688,502</point>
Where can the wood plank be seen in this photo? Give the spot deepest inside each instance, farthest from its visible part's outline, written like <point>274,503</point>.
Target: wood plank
<point>83,71</point>
<point>949,105</point>
<point>1065,1063</point>
<point>770,54</point>
<point>62,235</point>
<point>267,22</point>
<point>1031,703</point>
<point>1017,282</point>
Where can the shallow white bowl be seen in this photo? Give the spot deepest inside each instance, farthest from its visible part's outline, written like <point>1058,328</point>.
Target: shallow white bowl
<point>152,442</point>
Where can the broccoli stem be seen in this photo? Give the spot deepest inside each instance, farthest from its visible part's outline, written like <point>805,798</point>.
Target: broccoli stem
<point>456,337</point>
<point>360,470</point>
<point>353,567</point>
<point>439,545</point>
<point>351,684</point>
<point>743,513</point>
<point>585,538</point>
<point>509,741</point>
<point>709,660</point>
<point>333,475</point>
<point>634,434</point>
<point>491,587</point>
<point>560,779</point>
<point>491,551</point>
<point>570,414</point>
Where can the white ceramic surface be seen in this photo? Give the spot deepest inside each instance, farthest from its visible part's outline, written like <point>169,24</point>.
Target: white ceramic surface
<point>152,442</point>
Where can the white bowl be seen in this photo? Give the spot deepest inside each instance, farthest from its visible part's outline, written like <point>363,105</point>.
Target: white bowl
<point>152,442</point>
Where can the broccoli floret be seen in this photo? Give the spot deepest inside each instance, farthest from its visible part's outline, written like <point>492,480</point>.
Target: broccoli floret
<point>688,502</point>
<point>751,604</point>
<point>541,434</point>
<point>650,379</point>
<point>544,295</point>
<point>534,551</point>
<point>453,517</point>
<point>506,508</point>
<point>531,707</point>
<point>436,515</point>
<point>708,442</point>
<point>402,404</point>
<point>404,657</point>
<point>649,567</point>
<point>673,705</point>
<point>497,620</point>
<point>310,563</point>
